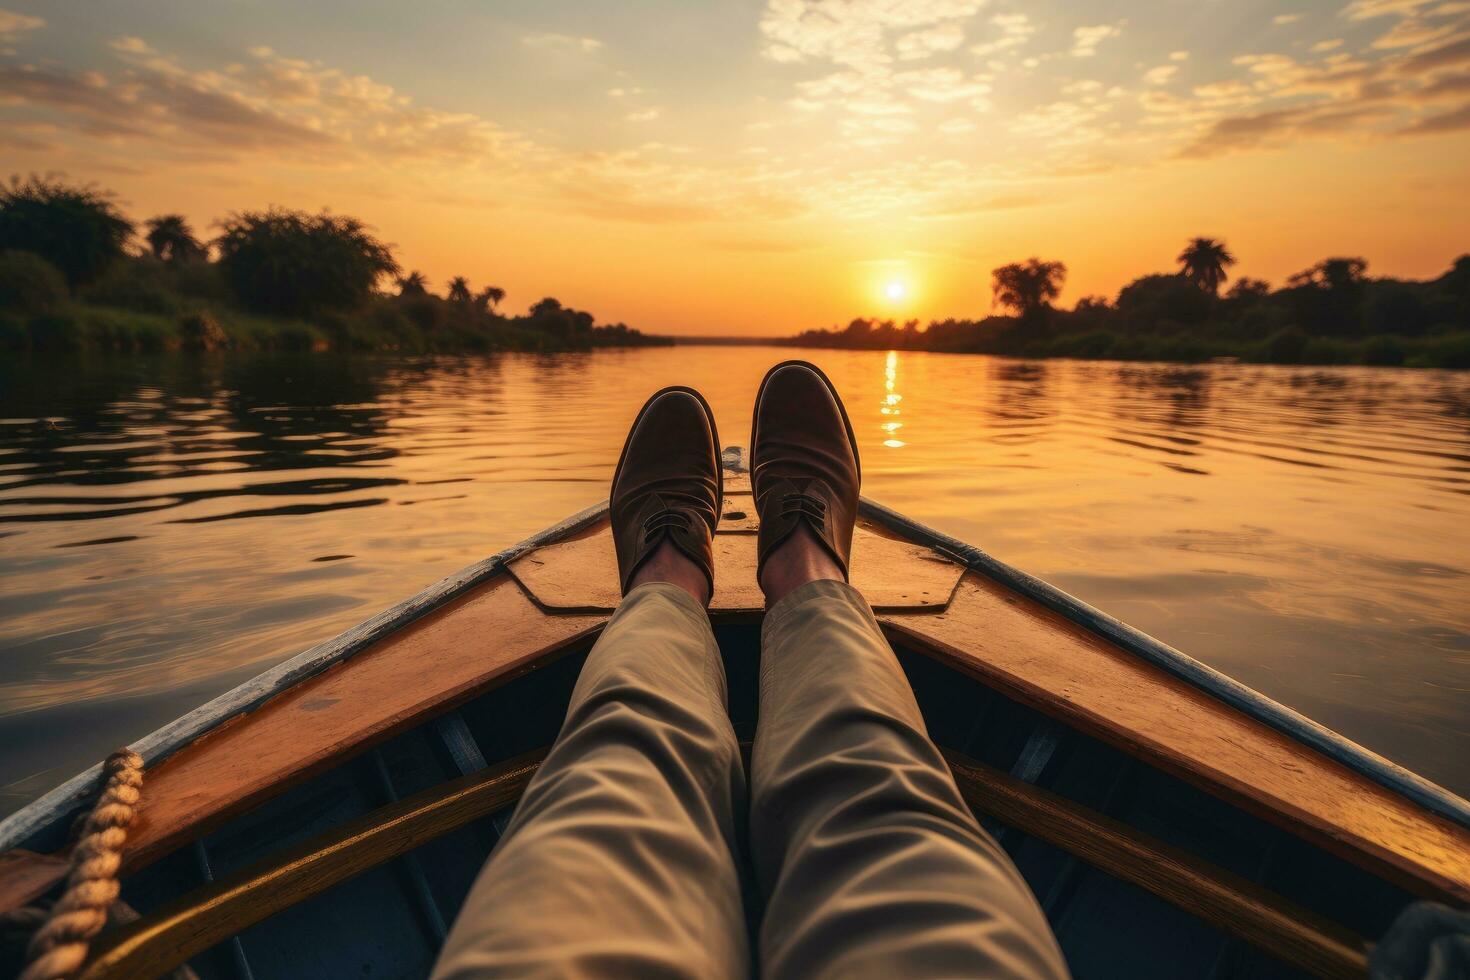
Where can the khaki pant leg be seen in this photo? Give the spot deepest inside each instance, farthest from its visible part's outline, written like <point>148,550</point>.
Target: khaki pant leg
<point>870,862</point>
<point>619,861</point>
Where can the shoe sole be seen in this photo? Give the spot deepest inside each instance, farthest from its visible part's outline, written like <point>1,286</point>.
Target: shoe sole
<point>714,434</point>
<point>831,388</point>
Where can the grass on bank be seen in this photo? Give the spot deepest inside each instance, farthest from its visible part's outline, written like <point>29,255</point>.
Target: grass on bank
<point>144,304</point>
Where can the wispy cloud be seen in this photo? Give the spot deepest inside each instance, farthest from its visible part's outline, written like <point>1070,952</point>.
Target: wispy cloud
<point>1340,96</point>
<point>1011,31</point>
<point>13,24</point>
<point>922,44</point>
<point>1085,40</point>
<point>854,33</point>
<point>562,42</point>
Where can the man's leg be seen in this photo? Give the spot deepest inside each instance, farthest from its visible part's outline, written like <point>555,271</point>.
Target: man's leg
<point>619,861</point>
<point>872,863</point>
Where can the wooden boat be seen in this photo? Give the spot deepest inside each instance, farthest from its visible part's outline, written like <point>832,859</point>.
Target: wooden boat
<point>327,818</point>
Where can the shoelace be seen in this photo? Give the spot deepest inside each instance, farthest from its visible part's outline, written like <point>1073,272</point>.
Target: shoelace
<point>660,521</point>
<point>807,505</point>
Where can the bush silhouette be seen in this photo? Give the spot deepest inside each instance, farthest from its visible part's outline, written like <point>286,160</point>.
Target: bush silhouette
<point>295,263</point>
<point>76,229</point>
<point>29,284</point>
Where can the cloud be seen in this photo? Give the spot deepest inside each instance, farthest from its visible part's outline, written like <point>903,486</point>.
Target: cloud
<point>1327,45</point>
<point>644,115</point>
<point>867,41</point>
<point>1279,126</point>
<point>12,24</point>
<point>1282,19</point>
<point>1413,33</point>
<point>941,85</point>
<point>562,42</point>
<point>922,44</point>
<point>1086,39</point>
<point>1340,97</point>
<point>1368,9</point>
<point>1178,55</point>
<point>852,33</point>
<point>131,45</point>
<point>1159,75</point>
<point>1453,121</point>
<point>151,104</point>
<point>1014,30</point>
<point>1448,55</point>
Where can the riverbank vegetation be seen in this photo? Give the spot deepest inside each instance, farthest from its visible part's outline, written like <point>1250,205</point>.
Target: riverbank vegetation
<point>75,274</point>
<point>1331,313</point>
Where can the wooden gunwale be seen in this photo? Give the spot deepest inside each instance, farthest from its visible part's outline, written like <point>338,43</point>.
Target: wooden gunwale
<point>1048,663</point>
<point>16,829</point>
<point>1249,702</point>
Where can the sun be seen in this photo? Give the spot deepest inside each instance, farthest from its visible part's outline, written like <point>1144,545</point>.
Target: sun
<point>895,290</point>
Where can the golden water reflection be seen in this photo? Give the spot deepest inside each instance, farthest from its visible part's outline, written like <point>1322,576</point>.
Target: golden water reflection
<point>891,399</point>
<point>170,527</point>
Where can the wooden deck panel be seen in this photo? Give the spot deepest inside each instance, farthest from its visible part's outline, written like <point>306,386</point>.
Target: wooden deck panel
<point>581,573</point>
<point>1035,656</point>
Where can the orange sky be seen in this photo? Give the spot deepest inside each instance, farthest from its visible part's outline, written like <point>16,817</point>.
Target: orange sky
<point>765,167</point>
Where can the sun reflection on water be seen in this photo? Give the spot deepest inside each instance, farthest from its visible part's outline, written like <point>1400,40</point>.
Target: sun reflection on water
<point>891,398</point>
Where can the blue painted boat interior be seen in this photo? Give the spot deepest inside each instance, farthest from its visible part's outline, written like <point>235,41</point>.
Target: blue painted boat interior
<point>389,922</point>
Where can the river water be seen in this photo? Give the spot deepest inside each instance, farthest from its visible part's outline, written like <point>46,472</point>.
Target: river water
<point>170,527</point>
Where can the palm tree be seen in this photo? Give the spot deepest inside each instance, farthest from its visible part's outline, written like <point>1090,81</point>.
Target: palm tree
<point>170,239</point>
<point>413,284</point>
<point>1029,286</point>
<point>1203,263</point>
<point>459,290</point>
<point>490,297</point>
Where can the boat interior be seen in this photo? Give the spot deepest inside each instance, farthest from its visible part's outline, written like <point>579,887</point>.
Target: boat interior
<point>332,824</point>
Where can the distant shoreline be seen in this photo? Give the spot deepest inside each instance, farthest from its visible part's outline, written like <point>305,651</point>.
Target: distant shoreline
<point>1349,353</point>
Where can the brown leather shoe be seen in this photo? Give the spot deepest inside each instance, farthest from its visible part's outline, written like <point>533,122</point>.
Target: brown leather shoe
<point>803,461</point>
<point>668,485</point>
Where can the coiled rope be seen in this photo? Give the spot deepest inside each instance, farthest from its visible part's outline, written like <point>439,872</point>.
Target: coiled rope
<point>59,946</point>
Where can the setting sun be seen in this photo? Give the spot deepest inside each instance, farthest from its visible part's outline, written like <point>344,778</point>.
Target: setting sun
<point>895,291</point>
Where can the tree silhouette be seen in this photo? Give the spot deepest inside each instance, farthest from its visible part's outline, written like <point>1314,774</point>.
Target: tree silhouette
<point>79,230</point>
<point>489,297</point>
<point>1027,287</point>
<point>1336,274</point>
<point>171,239</point>
<point>459,291</point>
<point>296,263</point>
<point>413,284</point>
<point>1246,288</point>
<point>1203,263</point>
